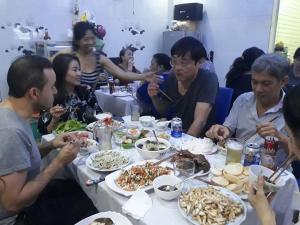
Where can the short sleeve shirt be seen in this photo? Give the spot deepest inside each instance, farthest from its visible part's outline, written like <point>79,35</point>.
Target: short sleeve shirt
<point>204,89</point>
<point>18,149</point>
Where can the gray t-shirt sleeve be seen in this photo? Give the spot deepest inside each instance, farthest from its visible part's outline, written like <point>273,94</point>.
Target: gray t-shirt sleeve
<point>209,88</point>
<point>14,151</point>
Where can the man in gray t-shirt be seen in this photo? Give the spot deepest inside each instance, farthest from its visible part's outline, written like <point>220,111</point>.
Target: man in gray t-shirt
<point>31,82</point>
<point>191,90</point>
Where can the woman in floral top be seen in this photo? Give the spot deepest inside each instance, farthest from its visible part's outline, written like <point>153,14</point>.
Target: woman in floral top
<point>72,101</point>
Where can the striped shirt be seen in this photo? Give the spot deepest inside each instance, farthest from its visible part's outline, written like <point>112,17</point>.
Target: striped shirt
<point>91,78</point>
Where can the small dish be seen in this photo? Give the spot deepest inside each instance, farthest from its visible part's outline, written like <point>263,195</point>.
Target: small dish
<point>147,121</point>
<point>167,180</point>
<point>161,125</point>
<point>257,170</point>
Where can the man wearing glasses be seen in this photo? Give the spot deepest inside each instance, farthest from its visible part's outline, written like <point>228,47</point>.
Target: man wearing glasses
<point>191,90</point>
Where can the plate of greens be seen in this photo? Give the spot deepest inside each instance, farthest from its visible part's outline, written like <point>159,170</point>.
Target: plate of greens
<point>68,126</point>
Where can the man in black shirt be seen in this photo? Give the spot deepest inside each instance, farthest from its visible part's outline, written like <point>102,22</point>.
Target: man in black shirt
<point>192,90</point>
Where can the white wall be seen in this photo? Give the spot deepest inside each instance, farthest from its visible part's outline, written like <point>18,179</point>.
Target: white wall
<point>56,15</point>
<point>53,14</point>
<point>117,14</point>
<point>231,26</point>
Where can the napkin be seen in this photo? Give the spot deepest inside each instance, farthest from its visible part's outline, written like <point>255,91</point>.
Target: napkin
<point>137,206</point>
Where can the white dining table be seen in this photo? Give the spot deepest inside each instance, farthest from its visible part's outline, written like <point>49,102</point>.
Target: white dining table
<point>116,105</point>
<point>165,212</point>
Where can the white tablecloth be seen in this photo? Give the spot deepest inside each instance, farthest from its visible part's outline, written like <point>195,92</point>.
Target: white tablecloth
<point>118,106</point>
<point>166,212</point>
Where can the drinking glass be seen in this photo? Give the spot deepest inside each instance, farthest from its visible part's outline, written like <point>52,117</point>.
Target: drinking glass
<point>135,112</point>
<point>184,167</point>
<point>234,148</point>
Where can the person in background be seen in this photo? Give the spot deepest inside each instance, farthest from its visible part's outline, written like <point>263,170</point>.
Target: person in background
<point>92,63</point>
<point>294,73</point>
<point>73,100</point>
<point>239,76</point>
<point>206,64</point>
<point>252,111</point>
<point>160,64</point>
<point>29,196</point>
<point>291,113</point>
<point>192,90</point>
<point>126,63</point>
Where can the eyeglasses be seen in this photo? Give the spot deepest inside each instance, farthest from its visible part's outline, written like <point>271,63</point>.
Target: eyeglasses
<point>181,63</point>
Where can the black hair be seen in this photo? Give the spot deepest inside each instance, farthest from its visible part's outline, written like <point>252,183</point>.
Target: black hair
<point>163,60</point>
<point>189,45</point>
<point>123,51</point>
<point>243,64</point>
<point>61,65</point>
<point>297,53</point>
<point>291,111</point>
<point>27,72</point>
<point>79,30</point>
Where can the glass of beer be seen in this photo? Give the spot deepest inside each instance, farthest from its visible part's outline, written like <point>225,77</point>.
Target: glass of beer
<point>234,148</point>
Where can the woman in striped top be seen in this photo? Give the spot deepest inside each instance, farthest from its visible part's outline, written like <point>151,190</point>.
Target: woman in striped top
<point>92,63</point>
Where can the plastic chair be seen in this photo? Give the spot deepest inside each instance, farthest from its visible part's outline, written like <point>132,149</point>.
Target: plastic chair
<point>222,104</point>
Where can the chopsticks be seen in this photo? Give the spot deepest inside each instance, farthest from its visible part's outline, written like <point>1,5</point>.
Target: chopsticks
<point>165,159</point>
<point>207,182</point>
<point>167,96</point>
<point>252,134</point>
<point>282,167</point>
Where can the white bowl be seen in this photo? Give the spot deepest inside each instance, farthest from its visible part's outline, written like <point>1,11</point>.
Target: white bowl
<point>166,180</point>
<point>147,121</point>
<point>152,154</point>
<point>161,125</point>
<point>257,170</point>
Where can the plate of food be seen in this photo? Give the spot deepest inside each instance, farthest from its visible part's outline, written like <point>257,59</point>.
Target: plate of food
<point>107,161</point>
<point>201,163</point>
<point>68,126</point>
<point>234,177</point>
<point>139,175</point>
<point>212,205</point>
<point>103,116</point>
<point>105,218</point>
<point>203,146</point>
<point>132,135</point>
<point>108,122</point>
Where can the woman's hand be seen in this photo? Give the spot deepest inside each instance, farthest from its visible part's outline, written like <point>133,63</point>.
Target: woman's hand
<point>57,111</point>
<point>260,203</point>
<point>151,77</point>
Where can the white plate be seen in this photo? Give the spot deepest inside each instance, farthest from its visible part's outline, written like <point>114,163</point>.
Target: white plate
<point>121,94</point>
<point>227,193</point>
<point>110,179</point>
<point>102,116</point>
<point>89,163</point>
<point>117,218</point>
<point>191,145</point>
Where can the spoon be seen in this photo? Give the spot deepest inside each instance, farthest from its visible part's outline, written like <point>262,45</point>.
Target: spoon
<point>176,186</point>
<point>157,143</point>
